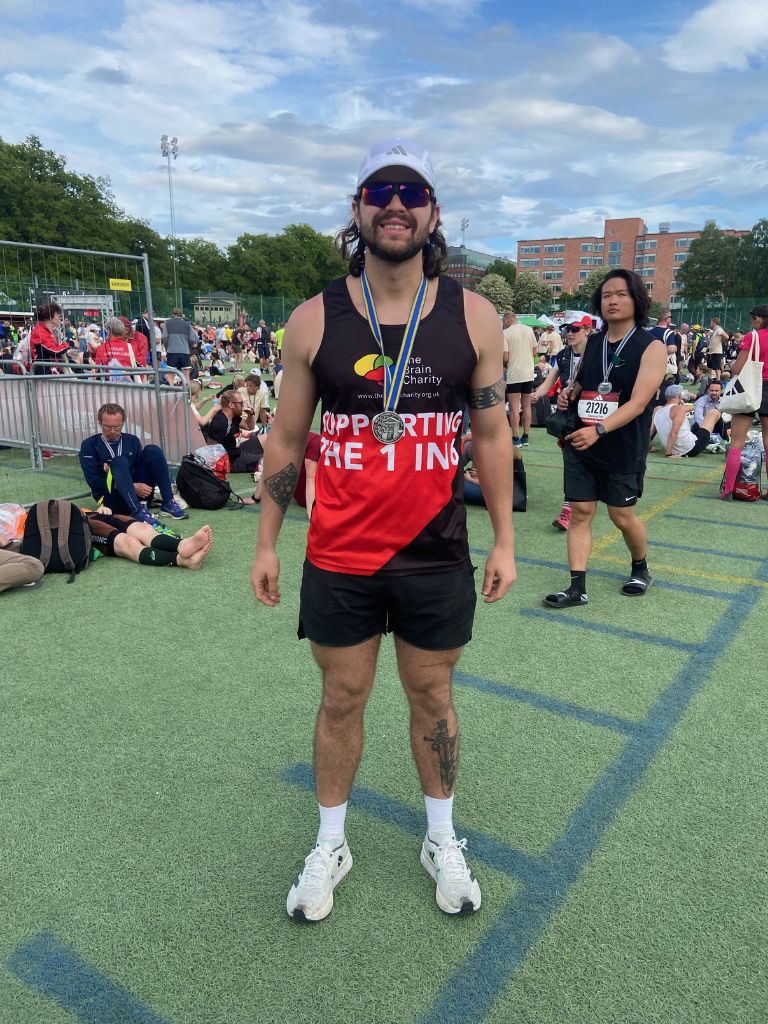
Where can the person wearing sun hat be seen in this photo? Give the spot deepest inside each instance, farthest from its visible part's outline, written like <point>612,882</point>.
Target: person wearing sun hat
<point>395,352</point>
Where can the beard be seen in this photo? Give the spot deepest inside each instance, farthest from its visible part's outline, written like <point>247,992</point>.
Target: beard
<point>392,251</point>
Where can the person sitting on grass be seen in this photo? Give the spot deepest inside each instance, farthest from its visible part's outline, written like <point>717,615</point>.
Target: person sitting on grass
<point>121,473</point>
<point>226,429</point>
<point>127,537</point>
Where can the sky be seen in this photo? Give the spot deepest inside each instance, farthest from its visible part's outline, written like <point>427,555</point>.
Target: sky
<point>541,119</point>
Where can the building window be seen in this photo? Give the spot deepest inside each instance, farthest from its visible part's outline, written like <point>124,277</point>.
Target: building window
<point>585,261</point>
<point>599,246</point>
<point>529,263</point>
<point>647,273</point>
<point>649,287</point>
<point>649,244</point>
<point>557,288</point>
<point>645,259</point>
<point>587,247</point>
<point>614,247</point>
<point>583,274</point>
<point>529,249</point>
<point>683,243</point>
<point>553,275</point>
<point>554,248</point>
<point>556,261</point>
<point>614,259</point>
<point>681,257</point>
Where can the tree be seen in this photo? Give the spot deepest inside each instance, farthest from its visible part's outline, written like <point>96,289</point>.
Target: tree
<point>754,260</point>
<point>504,268</point>
<point>712,269</point>
<point>529,295</point>
<point>497,291</point>
<point>296,263</point>
<point>582,297</point>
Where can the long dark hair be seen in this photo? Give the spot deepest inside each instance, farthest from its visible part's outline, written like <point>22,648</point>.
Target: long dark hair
<point>637,290</point>
<point>352,248</point>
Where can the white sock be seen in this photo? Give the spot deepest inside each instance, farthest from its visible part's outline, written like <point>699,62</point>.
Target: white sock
<point>439,816</point>
<point>331,832</point>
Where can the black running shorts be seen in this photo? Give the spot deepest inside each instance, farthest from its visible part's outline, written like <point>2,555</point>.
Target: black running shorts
<point>105,529</point>
<point>584,482</point>
<point>433,611</point>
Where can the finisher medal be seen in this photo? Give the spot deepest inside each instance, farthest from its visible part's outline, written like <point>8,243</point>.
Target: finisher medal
<point>604,388</point>
<point>387,427</point>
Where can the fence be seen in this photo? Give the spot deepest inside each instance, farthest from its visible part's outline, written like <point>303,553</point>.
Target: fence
<point>57,413</point>
<point>733,313</point>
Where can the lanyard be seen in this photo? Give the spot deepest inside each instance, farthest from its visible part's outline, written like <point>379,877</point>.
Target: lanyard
<point>112,454</point>
<point>393,379</point>
<point>573,367</point>
<point>607,370</point>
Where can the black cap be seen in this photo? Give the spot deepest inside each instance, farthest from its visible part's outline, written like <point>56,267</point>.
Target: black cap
<point>759,311</point>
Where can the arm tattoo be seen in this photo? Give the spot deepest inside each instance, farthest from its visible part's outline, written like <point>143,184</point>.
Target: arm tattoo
<point>280,486</point>
<point>484,398</point>
<point>447,749</point>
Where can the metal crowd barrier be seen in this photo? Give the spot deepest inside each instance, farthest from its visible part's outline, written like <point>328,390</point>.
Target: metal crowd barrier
<point>55,412</point>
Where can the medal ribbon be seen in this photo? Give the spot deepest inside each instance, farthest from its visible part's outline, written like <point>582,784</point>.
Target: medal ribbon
<point>393,378</point>
<point>615,358</point>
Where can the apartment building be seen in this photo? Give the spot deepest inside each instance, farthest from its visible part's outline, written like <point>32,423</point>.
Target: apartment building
<point>564,263</point>
<point>467,266</point>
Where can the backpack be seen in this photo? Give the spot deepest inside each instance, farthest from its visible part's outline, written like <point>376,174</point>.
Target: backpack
<point>200,488</point>
<point>58,534</point>
<point>748,486</point>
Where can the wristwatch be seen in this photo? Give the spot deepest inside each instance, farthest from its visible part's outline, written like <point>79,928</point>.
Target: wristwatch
<point>601,431</point>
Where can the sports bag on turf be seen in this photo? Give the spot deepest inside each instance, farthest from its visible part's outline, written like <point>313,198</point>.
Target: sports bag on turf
<point>748,486</point>
<point>200,488</point>
<point>744,393</point>
<point>58,534</point>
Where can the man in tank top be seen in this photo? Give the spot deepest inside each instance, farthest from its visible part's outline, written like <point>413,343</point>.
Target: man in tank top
<point>604,458</point>
<point>395,352</point>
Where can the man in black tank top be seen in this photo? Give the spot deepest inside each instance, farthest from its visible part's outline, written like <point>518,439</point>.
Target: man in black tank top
<point>620,373</point>
<point>387,548</point>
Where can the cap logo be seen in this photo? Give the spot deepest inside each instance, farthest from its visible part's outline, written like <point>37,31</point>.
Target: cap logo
<point>397,151</point>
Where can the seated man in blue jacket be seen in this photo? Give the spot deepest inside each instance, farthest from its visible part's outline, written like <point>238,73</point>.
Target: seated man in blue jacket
<point>122,474</point>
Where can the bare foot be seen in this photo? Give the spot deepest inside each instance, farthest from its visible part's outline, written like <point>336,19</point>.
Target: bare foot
<point>194,561</point>
<point>203,538</point>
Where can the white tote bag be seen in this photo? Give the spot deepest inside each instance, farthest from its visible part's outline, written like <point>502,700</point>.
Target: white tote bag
<point>744,393</point>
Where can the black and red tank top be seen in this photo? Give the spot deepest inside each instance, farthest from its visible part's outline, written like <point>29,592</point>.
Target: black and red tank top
<point>391,508</point>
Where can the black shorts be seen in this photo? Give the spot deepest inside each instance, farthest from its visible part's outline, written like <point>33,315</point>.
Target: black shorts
<point>105,529</point>
<point>715,361</point>
<point>263,349</point>
<point>433,611</point>
<point>763,410</point>
<point>703,438</point>
<point>178,361</point>
<point>523,387</point>
<point>583,481</point>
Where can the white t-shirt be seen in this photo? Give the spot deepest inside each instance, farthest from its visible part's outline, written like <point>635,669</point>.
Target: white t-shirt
<point>520,342</point>
<point>685,439</point>
<point>716,339</point>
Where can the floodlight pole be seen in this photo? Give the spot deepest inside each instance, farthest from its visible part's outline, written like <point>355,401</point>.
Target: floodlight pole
<point>170,148</point>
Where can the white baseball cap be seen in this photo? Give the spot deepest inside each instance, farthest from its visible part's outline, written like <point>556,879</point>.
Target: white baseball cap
<point>397,153</point>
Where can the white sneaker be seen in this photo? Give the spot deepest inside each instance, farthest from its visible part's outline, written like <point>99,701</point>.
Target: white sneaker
<point>310,898</point>
<point>458,891</point>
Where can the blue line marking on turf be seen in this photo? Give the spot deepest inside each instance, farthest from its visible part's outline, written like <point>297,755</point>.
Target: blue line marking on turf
<point>704,551</point>
<point>546,703</point>
<point>493,852</point>
<point>716,522</point>
<point>601,627</point>
<point>55,971</point>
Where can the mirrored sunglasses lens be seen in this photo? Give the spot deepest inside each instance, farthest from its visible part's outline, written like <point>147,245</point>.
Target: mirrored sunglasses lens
<point>411,196</point>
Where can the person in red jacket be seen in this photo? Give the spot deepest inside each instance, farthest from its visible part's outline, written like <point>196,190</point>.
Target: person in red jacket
<point>46,343</point>
<point>139,342</point>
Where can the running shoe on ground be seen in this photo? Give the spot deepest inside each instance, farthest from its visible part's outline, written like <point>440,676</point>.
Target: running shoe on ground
<point>458,891</point>
<point>310,898</point>
<point>563,520</point>
<point>172,509</point>
<point>146,517</point>
<point>524,441</point>
<point>517,442</point>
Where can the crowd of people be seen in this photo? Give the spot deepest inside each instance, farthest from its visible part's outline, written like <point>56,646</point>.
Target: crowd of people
<point>407,367</point>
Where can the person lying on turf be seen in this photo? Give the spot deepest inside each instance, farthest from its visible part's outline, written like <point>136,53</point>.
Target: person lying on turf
<point>126,537</point>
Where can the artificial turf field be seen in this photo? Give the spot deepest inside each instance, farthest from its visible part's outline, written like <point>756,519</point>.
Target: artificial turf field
<point>156,788</point>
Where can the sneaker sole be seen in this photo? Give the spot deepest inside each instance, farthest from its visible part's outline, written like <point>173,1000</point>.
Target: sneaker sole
<point>298,913</point>
<point>466,908</point>
<point>170,515</point>
<point>560,526</point>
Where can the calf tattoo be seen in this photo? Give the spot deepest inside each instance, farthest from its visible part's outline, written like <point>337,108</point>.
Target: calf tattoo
<point>485,398</point>
<point>447,749</point>
<point>280,486</point>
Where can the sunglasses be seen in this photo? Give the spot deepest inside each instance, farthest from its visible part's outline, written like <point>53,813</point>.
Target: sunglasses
<point>412,194</point>
<point>574,328</point>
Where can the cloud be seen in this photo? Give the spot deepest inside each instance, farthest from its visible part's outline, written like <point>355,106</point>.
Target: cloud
<point>726,34</point>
